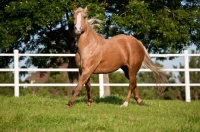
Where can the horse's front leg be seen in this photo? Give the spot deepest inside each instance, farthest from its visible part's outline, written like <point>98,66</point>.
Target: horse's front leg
<point>82,80</point>
<point>89,93</point>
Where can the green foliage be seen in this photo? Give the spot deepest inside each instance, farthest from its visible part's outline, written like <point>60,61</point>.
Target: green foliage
<point>163,26</point>
<point>195,76</point>
<point>32,24</point>
<point>6,77</point>
<point>118,77</point>
<point>53,91</point>
<point>146,92</point>
<point>152,92</point>
<point>34,113</point>
<point>58,91</point>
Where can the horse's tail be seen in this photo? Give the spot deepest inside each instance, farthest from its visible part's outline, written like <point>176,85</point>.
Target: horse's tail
<point>158,73</point>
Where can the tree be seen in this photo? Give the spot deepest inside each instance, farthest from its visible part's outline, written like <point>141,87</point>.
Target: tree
<point>164,26</point>
<point>36,26</point>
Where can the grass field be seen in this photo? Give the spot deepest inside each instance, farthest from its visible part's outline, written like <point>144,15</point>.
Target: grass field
<point>44,114</point>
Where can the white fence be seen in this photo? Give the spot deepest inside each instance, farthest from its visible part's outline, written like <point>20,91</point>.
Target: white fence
<point>101,84</point>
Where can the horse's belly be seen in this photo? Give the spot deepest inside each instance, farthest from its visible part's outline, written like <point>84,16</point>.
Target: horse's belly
<point>107,67</point>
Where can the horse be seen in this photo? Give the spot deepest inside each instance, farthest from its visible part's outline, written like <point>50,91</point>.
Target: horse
<point>97,55</point>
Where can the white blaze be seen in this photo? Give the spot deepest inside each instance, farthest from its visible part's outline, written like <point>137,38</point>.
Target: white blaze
<point>78,22</point>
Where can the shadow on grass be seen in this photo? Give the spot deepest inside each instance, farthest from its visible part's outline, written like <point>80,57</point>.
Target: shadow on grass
<point>109,99</point>
<point>113,99</point>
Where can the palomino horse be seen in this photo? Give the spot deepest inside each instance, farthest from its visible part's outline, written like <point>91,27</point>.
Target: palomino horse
<point>98,55</point>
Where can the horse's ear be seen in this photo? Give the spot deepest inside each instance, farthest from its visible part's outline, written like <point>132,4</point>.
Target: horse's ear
<point>85,10</point>
<point>74,8</point>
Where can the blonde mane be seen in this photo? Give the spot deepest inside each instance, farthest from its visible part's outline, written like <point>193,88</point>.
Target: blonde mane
<point>95,23</point>
<point>79,9</point>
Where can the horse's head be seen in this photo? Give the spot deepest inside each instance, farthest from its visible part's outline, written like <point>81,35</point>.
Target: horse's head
<point>80,20</point>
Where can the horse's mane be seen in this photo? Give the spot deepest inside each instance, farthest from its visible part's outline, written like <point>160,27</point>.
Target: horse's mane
<point>95,23</point>
<point>79,9</point>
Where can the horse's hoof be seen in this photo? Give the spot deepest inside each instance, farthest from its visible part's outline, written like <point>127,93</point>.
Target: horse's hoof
<point>141,103</point>
<point>125,104</point>
<point>121,106</point>
<point>68,105</point>
<point>88,104</point>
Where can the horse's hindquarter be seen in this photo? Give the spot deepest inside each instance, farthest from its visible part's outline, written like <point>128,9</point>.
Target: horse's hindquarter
<point>119,51</point>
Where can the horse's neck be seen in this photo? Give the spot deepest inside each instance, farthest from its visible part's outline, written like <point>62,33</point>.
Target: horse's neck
<point>89,37</point>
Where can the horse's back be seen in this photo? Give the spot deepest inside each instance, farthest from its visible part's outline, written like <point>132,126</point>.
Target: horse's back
<point>128,44</point>
<point>119,51</point>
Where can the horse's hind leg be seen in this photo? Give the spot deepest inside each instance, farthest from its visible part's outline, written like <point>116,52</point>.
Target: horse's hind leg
<point>136,96</point>
<point>132,87</point>
<point>89,93</point>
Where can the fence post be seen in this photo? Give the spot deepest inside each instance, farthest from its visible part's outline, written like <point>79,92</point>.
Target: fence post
<point>101,86</point>
<point>187,77</point>
<point>16,72</point>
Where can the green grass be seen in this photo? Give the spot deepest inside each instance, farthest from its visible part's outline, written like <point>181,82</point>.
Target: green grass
<point>44,114</point>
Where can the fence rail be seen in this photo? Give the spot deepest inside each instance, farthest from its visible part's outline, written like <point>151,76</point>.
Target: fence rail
<point>101,84</point>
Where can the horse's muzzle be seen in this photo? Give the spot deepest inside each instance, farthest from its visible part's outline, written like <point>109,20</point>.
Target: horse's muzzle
<point>77,30</point>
